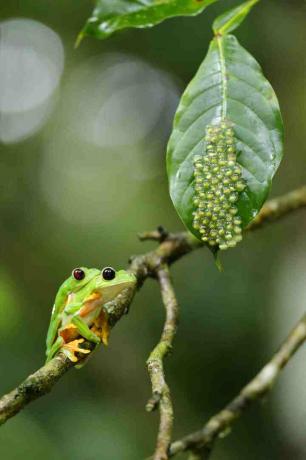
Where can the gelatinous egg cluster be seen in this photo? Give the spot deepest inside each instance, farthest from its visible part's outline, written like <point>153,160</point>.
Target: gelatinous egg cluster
<point>218,183</point>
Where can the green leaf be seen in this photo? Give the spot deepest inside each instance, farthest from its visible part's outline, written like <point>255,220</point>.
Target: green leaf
<point>229,85</point>
<point>231,19</point>
<point>112,15</point>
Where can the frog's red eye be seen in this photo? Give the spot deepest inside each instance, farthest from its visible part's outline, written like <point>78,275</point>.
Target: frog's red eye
<point>108,273</point>
<point>78,274</point>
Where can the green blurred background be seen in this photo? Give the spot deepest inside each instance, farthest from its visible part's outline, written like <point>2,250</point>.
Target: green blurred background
<point>83,135</point>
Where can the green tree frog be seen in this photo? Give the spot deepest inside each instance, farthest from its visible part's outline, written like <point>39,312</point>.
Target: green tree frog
<point>78,312</point>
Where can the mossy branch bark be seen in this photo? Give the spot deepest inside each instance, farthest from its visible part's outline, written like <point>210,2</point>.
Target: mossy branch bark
<point>160,390</point>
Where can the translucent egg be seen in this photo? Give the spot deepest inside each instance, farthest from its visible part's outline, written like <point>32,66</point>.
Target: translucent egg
<point>233,211</point>
<point>240,186</point>
<point>233,197</point>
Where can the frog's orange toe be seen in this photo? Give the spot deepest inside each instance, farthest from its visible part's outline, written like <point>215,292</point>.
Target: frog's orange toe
<point>101,327</point>
<point>105,334</point>
<point>72,347</point>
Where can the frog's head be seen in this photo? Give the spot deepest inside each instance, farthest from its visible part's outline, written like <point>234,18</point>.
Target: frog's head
<point>111,282</point>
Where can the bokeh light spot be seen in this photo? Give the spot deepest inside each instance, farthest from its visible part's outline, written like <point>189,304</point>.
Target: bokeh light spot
<point>31,64</point>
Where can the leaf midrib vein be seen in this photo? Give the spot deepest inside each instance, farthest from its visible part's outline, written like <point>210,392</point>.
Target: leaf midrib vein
<point>223,77</point>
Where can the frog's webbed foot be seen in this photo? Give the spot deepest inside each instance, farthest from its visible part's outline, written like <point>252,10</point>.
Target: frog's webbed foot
<point>70,348</point>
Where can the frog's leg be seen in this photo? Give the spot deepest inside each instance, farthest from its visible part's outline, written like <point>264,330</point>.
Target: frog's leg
<point>55,348</point>
<point>52,332</point>
<point>84,330</point>
<point>105,328</point>
<point>73,308</point>
<point>101,327</point>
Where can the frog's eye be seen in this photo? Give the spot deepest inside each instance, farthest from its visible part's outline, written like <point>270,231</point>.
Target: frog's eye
<point>108,273</point>
<point>78,274</point>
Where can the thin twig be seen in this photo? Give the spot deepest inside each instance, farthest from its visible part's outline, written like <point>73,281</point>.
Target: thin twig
<point>160,391</point>
<point>280,207</point>
<point>173,247</point>
<point>160,234</point>
<point>256,389</point>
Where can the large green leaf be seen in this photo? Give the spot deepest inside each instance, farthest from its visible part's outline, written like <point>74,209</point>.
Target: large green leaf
<point>112,15</point>
<point>228,85</point>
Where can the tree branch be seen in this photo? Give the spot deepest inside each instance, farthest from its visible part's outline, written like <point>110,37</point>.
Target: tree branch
<point>37,384</point>
<point>171,248</point>
<point>279,207</point>
<point>256,389</point>
<point>160,391</point>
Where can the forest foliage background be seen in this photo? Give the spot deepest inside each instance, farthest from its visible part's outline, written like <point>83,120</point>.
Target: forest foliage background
<point>82,171</point>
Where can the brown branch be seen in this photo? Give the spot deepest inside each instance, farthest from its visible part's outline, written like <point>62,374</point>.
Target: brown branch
<point>280,207</point>
<point>160,234</point>
<point>160,391</point>
<point>171,248</point>
<point>253,391</point>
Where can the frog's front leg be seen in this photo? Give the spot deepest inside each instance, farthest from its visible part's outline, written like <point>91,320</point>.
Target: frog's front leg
<point>72,308</point>
<point>52,332</point>
<point>84,330</point>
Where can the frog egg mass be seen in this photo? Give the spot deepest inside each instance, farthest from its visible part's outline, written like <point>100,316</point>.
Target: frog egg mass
<point>217,186</point>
